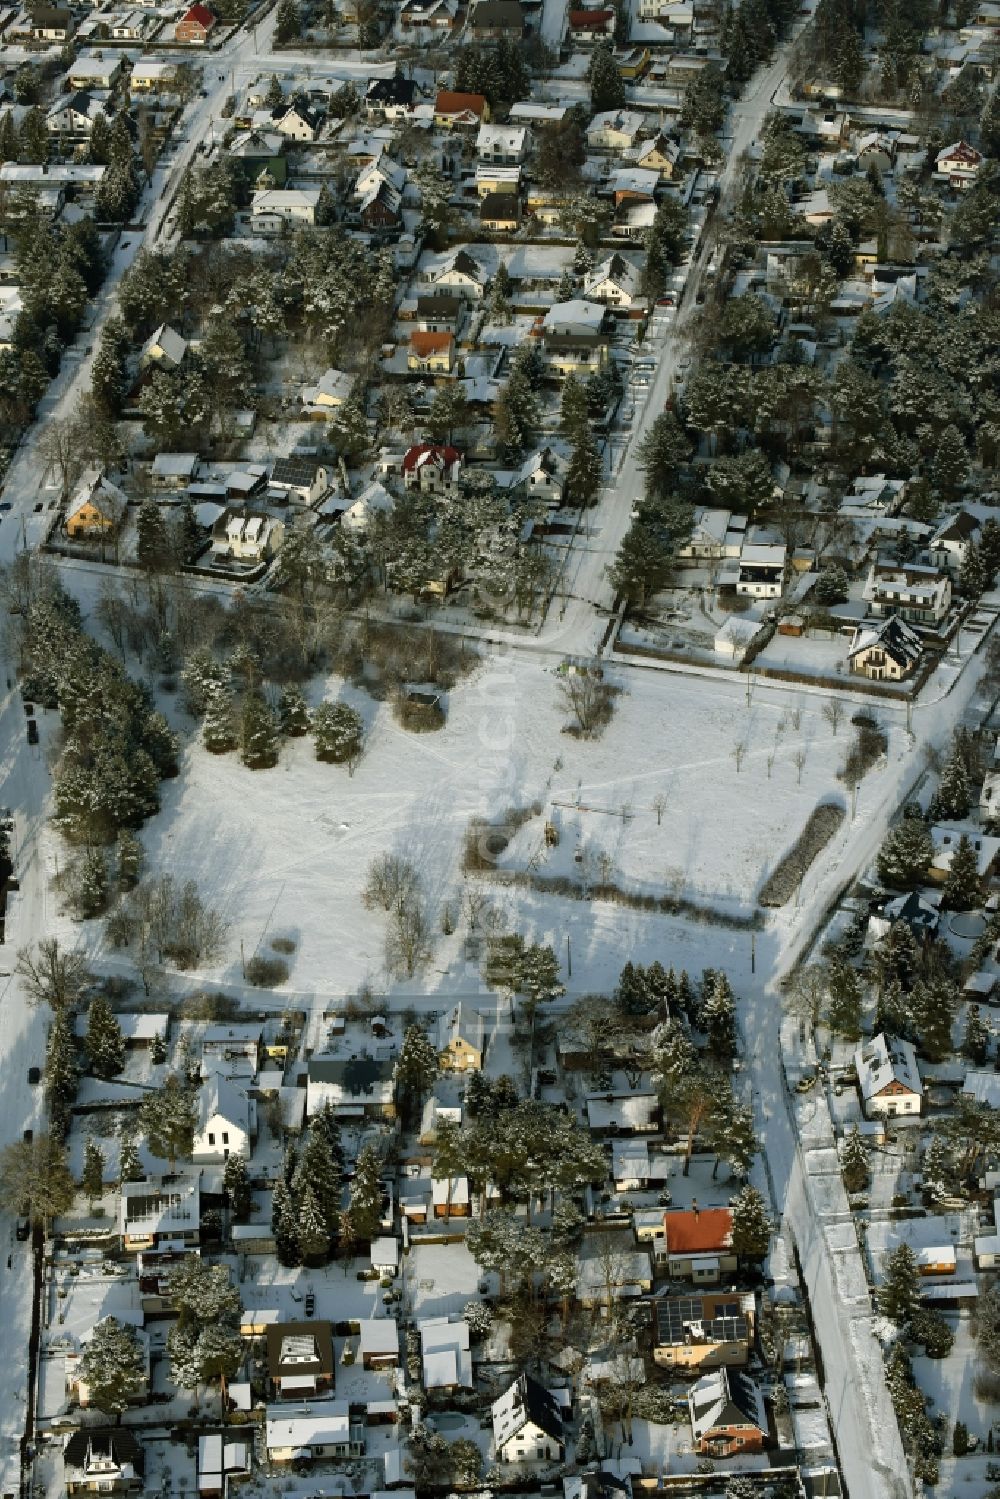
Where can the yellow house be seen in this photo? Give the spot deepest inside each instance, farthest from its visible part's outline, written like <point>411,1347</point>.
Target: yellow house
<point>460,1039</point>
<point>453,110</point>
<point>575,353</point>
<point>431,352</point>
<point>660,155</point>
<point>632,64</point>
<point>97,509</point>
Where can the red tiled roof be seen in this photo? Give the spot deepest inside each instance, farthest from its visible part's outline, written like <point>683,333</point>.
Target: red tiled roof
<point>584,20</point>
<point>703,1232</point>
<point>430,343</point>
<point>202,15</point>
<point>427,452</point>
<point>450,103</point>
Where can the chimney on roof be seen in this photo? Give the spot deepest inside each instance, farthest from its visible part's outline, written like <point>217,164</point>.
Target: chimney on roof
<point>694,1206</point>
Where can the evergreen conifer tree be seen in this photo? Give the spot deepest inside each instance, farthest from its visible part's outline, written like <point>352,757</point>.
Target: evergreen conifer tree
<point>105,1043</point>
<point>258,733</point>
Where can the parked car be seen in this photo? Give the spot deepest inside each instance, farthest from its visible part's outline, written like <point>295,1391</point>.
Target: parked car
<point>34,1076</point>
<point>6,505</point>
<point>310,1303</point>
<point>28,1136</point>
<point>23,1228</point>
<point>32,731</point>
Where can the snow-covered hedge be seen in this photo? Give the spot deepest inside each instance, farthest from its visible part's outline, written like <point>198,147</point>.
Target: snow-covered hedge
<point>783,881</point>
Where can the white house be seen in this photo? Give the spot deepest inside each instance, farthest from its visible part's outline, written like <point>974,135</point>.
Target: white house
<point>295,124</point>
<point>949,546</point>
<point>761,570</point>
<point>320,1429</point>
<point>615,282</point>
<point>460,275</point>
<point>888,1077</point>
<point>504,145</point>
<point>959,164</point>
<point>527,1424</point>
<point>373,500</point>
<point>615,129</point>
<point>246,536</point>
<point>444,1350</point>
<point>275,209</point>
<point>920,594</point>
<point>226,1120</point>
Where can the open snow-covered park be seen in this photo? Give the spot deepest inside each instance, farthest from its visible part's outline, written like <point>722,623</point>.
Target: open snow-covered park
<point>690,791</point>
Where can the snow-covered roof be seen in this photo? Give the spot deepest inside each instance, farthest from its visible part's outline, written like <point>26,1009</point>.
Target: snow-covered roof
<point>883,1061</point>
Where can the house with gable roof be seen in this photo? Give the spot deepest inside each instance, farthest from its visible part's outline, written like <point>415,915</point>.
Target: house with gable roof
<point>888,1077</point>
<point>195,26</point>
<point>227,1120</point>
<point>727,1414</point>
<point>959,164</point>
<point>461,275</point>
<point>699,1244</point>
<point>103,1460</point>
<point>885,650</point>
<point>461,1038</point>
<point>97,508</point>
<point>528,1424</point>
<point>433,468</point>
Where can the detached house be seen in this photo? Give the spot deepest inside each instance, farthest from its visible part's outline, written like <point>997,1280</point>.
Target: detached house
<point>917,593</point>
<point>300,1361</point>
<point>528,1424</point>
<point>615,282</point>
<point>543,476</point>
<point>392,98</point>
<point>357,1087</point>
<point>949,546</point>
<point>502,145</point>
<point>432,468</point>
<point>491,19</point>
<point>761,570</point>
<point>461,1042</point>
<point>460,111</point>
<point>295,123</point>
<point>103,1460</point>
<point>431,353</point>
<point>888,1078</point>
<point>166,1217</point>
<point>885,652</point>
<point>661,155</point>
<point>959,164</point>
<point>727,1414</point>
<point>307,1432</point>
<point>591,25</point>
<point>699,1244</point>
<point>164,347</point>
<point>704,1332</point>
<point>461,275</point>
<point>226,1120</point>
<point>196,26</point>
<point>97,509</point>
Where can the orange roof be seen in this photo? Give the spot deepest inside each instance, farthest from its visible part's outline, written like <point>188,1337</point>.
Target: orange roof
<point>449,103</point>
<point>431,343</point>
<point>703,1232</point>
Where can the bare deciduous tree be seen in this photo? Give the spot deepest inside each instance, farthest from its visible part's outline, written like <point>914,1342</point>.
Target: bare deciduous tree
<point>833,713</point>
<point>739,753</point>
<point>408,936</point>
<point>392,881</point>
<point>799,760</point>
<point>659,807</point>
<point>586,696</point>
<point>52,975</point>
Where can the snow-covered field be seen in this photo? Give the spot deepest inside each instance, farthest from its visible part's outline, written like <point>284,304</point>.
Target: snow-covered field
<point>284,852</point>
